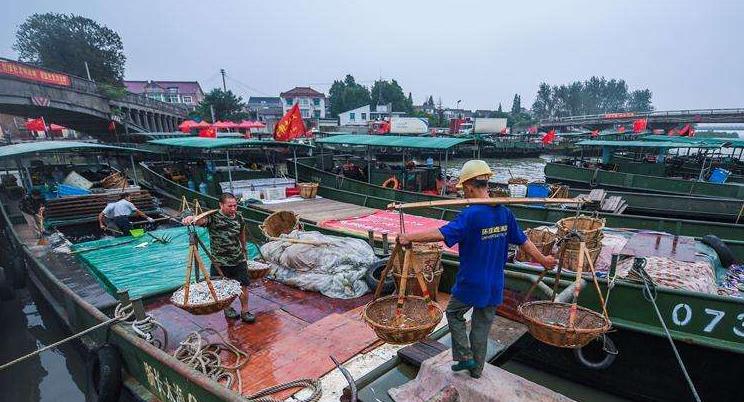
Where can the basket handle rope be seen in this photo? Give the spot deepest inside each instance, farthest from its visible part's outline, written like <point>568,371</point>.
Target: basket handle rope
<point>402,291</point>
<point>577,289</point>
<point>386,271</point>
<point>424,290</point>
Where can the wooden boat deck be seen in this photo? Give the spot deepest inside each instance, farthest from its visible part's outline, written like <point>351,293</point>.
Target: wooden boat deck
<point>294,334</point>
<point>319,209</point>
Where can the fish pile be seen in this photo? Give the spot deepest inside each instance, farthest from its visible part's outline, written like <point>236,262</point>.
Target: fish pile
<point>199,293</point>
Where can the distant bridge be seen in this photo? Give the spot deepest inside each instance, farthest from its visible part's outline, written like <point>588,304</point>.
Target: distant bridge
<point>656,119</point>
<point>78,103</point>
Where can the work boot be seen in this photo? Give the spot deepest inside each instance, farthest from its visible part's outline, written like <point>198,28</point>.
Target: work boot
<point>464,365</point>
<point>231,313</point>
<point>474,374</point>
<point>248,317</point>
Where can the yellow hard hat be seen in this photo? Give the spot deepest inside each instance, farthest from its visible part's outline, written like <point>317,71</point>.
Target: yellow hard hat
<point>472,169</point>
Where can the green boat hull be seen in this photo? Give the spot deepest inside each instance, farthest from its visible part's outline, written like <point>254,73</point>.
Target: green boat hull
<point>597,178</point>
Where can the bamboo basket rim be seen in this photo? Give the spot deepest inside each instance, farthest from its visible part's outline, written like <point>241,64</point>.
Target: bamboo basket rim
<point>394,299</point>
<point>560,328</point>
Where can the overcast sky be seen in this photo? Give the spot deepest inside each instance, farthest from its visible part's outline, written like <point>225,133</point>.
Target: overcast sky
<point>688,52</point>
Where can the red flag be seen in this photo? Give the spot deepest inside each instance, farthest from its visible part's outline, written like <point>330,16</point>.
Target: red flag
<point>532,130</point>
<point>548,137</point>
<point>684,131</point>
<point>621,129</point>
<point>36,124</point>
<point>209,132</point>
<point>290,126</point>
<point>595,133</point>
<point>639,125</point>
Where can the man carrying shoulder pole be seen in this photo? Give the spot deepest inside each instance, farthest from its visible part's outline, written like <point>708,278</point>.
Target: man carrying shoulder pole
<point>483,233</point>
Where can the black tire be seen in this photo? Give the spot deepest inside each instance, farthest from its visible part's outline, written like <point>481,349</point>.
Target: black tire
<point>373,277</point>
<point>607,358</point>
<point>6,291</point>
<point>724,253</point>
<point>18,274</point>
<point>104,374</point>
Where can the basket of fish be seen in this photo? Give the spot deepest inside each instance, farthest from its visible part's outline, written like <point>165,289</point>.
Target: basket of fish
<point>207,296</point>
<point>258,269</point>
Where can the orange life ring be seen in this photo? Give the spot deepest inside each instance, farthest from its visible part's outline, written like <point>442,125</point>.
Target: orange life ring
<point>392,180</point>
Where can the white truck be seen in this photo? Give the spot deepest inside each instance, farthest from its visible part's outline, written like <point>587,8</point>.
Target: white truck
<point>400,125</point>
<point>483,126</point>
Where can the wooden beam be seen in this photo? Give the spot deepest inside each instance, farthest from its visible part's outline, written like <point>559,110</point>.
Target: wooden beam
<point>485,201</point>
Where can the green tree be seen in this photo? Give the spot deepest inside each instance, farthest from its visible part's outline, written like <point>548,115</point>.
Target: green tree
<point>500,109</point>
<point>346,95</point>
<point>65,42</point>
<point>430,101</point>
<point>640,101</point>
<point>390,92</point>
<point>227,106</point>
<point>542,107</point>
<point>516,105</point>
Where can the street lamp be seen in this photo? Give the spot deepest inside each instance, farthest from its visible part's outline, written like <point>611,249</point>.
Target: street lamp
<point>457,108</point>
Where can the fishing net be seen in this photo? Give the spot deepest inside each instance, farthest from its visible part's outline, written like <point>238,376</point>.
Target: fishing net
<point>142,266</point>
<point>334,266</point>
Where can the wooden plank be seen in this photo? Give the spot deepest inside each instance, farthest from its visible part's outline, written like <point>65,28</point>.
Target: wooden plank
<point>416,353</point>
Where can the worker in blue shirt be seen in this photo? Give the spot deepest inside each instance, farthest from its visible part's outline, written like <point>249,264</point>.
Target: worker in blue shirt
<point>483,233</point>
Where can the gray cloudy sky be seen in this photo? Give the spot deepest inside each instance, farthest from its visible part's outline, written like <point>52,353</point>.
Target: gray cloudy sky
<point>688,52</point>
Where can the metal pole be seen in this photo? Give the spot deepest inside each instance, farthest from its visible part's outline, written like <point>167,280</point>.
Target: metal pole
<point>294,156</point>
<point>369,166</point>
<point>224,86</point>
<point>229,172</point>
<point>87,71</point>
<point>444,170</point>
<point>134,170</point>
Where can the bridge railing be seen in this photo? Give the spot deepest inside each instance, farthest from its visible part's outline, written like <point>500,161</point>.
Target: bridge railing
<point>664,113</point>
<point>85,85</point>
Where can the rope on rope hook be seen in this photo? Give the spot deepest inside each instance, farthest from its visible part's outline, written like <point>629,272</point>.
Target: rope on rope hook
<point>311,383</point>
<point>649,293</point>
<point>121,313</point>
<point>146,327</point>
<point>205,358</point>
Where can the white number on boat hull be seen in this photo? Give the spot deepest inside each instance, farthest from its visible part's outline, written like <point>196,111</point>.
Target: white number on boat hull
<point>687,311</point>
<point>682,315</point>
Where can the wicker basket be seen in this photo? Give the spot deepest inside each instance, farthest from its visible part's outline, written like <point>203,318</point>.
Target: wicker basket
<point>308,190</point>
<point>258,269</point>
<point>206,308</point>
<point>426,258</point>
<point>589,228</point>
<point>543,239</point>
<point>419,320</point>
<point>570,258</point>
<point>279,223</point>
<point>548,323</point>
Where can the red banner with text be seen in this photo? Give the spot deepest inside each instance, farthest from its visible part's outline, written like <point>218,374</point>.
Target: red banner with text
<point>34,74</point>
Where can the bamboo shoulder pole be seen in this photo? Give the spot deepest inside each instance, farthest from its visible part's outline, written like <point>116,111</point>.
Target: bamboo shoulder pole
<point>485,201</point>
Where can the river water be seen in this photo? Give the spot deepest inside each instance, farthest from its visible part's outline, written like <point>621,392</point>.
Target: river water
<point>503,169</point>
<point>56,375</point>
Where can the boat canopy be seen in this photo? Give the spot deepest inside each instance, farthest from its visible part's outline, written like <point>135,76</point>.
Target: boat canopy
<point>221,142</point>
<point>644,144</point>
<point>394,141</point>
<point>30,148</point>
<point>723,142</point>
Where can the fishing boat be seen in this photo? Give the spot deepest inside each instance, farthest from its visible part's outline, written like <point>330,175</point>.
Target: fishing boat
<point>649,176</point>
<point>121,286</point>
<point>705,327</point>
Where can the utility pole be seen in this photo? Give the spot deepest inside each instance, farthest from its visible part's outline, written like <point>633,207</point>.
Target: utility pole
<point>87,71</point>
<point>224,86</point>
<point>211,109</point>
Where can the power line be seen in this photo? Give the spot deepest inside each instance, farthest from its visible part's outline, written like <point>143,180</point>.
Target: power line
<point>246,86</point>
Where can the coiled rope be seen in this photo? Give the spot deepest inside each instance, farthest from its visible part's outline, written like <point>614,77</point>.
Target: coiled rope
<point>204,357</point>
<point>145,329</point>
<point>649,293</point>
<point>121,313</point>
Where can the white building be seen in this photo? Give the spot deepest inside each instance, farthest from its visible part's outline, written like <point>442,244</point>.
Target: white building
<point>312,103</point>
<point>362,115</point>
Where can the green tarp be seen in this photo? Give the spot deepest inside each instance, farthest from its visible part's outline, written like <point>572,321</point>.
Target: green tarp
<point>144,271</point>
<point>30,148</point>
<point>395,141</point>
<point>223,142</point>
<point>643,144</point>
<point>727,142</point>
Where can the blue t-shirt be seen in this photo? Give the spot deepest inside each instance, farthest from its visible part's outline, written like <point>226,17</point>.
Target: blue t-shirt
<point>483,233</point>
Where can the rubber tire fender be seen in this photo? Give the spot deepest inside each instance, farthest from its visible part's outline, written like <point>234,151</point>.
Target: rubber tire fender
<point>724,253</point>
<point>6,291</point>
<point>373,274</point>
<point>609,358</point>
<point>104,374</point>
<point>18,274</point>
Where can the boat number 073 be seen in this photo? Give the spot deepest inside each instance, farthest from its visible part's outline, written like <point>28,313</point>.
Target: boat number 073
<point>682,315</point>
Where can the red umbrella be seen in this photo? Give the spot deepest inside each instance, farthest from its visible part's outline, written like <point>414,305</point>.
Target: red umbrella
<point>56,127</point>
<point>186,126</point>
<point>251,124</point>
<point>225,124</point>
<point>202,124</point>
